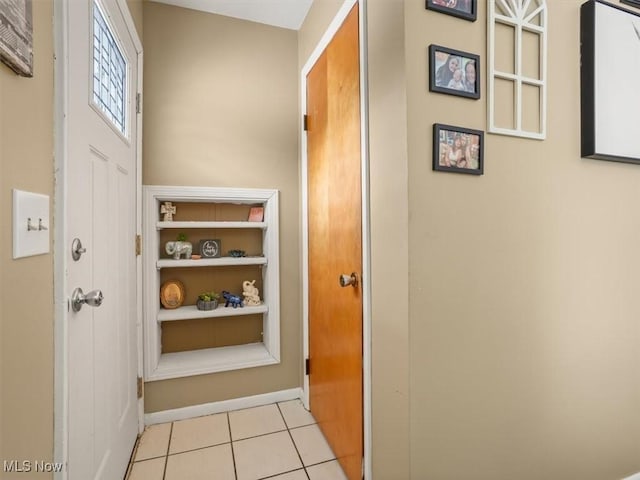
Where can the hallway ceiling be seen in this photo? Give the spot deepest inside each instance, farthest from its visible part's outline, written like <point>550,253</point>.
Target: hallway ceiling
<point>280,13</point>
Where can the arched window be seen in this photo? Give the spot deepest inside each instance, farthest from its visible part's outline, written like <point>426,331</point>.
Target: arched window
<point>517,66</point>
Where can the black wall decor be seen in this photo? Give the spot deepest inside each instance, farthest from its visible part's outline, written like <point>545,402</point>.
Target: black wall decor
<point>609,90</point>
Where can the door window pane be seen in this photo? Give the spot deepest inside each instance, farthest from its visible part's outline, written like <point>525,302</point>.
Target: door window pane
<point>109,72</point>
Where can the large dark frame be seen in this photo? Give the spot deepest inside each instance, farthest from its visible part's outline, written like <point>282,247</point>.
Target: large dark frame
<point>608,132</point>
<point>433,87</point>
<point>471,15</point>
<point>633,3</point>
<point>437,129</point>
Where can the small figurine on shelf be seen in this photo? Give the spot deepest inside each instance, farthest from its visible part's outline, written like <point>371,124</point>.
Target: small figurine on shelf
<point>250,293</point>
<point>207,301</point>
<point>168,209</point>
<point>179,247</point>
<point>237,253</point>
<point>231,299</point>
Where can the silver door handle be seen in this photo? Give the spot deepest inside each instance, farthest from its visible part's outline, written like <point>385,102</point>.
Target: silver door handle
<point>77,249</point>
<point>346,280</point>
<point>78,298</point>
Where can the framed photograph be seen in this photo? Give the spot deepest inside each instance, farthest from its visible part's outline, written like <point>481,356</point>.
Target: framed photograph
<point>256,214</point>
<point>454,72</point>
<point>210,248</point>
<point>457,149</point>
<point>16,36</point>
<point>467,9</point>
<point>609,93</point>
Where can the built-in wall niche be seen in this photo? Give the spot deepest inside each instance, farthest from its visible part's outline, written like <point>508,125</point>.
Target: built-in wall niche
<point>517,67</point>
<point>186,341</point>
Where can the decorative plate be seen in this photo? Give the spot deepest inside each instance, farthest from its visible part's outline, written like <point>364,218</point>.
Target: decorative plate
<point>172,294</point>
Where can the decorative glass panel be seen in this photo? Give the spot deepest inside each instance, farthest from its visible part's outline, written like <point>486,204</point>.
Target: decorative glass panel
<point>518,58</point>
<point>109,72</point>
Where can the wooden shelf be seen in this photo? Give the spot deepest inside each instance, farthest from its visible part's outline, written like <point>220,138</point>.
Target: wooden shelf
<point>211,262</point>
<point>191,312</point>
<point>185,225</point>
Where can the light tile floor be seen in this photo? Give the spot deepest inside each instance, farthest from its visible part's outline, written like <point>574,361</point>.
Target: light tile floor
<point>275,442</point>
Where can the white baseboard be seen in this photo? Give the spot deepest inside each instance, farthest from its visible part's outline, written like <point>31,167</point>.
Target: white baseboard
<point>633,477</point>
<point>222,406</point>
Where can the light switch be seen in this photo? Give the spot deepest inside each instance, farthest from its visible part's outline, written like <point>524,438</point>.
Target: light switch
<point>31,225</point>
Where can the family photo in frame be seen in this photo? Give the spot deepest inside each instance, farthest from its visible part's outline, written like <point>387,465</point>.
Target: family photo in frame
<point>457,149</point>
<point>454,72</point>
<point>467,9</point>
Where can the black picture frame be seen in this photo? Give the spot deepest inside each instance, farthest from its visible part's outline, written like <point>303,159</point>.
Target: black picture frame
<point>446,158</point>
<point>633,3</point>
<point>444,64</point>
<point>210,248</point>
<point>467,9</point>
<point>609,37</point>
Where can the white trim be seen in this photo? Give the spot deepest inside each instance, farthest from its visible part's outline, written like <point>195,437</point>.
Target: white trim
<point>366,244</point>
<point>334,26</point>
<point>61,360</point>
<point>131,28</point>
<point>139,291</point>
<point>61,242</point>
<point>221,406</point>
<point>635,476</point>
<point>366,237</point>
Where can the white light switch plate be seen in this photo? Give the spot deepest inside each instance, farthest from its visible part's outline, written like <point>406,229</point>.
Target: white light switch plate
<point>31,225</point>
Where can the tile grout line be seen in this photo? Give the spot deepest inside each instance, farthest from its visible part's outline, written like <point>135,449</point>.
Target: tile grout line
<point>283,473</point>
<point>258,436</point>
<point>233,455</point>
<point>322,463</point>
<point>133,457</point>
<point>175,454</point>
<point>166,457</point>
<point>293,441</point>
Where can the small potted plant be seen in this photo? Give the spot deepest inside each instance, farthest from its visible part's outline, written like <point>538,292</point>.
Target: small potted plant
<point>207,301</point>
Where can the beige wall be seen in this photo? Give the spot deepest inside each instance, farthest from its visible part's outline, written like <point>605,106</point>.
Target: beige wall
<point>388,164</point>
<point>521,301</point>
<point>523,284</point>
<point>221,110</point>
<point>26,285</point>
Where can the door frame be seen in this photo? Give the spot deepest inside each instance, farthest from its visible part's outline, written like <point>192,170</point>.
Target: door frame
<point>334,26</point>
<point>62,244</point>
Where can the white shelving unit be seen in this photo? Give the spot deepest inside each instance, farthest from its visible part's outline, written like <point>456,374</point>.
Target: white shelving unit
<point>159,366</point>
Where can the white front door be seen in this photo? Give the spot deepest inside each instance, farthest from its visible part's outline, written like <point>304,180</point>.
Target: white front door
<point>100,211</point>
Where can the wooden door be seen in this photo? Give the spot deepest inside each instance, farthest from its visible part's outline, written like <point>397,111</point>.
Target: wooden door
<point>100,205</point>
<point>335,245</point>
